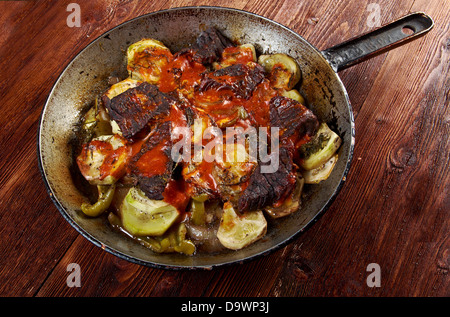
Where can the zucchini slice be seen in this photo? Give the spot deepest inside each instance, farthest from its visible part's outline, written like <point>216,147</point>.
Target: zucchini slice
<point>283,69</point>
<point>238,231</point>
<point>121,87</point>
<point>320,149</point>
<point>294,94</point>
<point>320,173</point>
<point>142,216</point>
<point>103,160</point>
<point>146,60</point>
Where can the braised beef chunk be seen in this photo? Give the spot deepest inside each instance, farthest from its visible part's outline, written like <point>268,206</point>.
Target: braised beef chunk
<point>154,186</point>
<point>209,46</point>
<point>133,109</point>
<point>264,189</point>
<point>152,167</point>
<point>190,116</point>
<point>292,118</point>
<point>240,79</point>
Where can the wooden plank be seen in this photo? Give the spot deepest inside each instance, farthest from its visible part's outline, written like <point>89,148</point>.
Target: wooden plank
<point>26,256</point>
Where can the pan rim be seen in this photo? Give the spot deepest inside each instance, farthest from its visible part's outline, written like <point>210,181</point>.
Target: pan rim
<point>246,259</point>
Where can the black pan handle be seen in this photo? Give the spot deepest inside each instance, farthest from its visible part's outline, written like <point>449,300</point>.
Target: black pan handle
<point>379,41</point>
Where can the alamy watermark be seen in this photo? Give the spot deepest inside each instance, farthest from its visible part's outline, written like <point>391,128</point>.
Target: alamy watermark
<point>374,278</point>
<point>374,18</point>
<point>74,18</point>
<point>74,278</point>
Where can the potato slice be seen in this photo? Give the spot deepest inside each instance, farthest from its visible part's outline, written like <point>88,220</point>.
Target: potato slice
<point>238,231</point>
<point>283,69</point>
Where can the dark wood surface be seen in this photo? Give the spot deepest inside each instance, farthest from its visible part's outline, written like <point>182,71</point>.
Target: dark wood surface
<point>393,209</point>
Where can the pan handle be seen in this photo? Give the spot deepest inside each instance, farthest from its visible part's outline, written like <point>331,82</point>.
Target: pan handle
<point>378,41</point>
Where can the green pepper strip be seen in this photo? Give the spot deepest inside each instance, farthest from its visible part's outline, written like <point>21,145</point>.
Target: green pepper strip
<point>198,212</point>
<point>106,194</point>
<point>198,209</point>
<point>172,241</point>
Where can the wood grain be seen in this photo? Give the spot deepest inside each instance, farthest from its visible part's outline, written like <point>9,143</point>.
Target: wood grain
<point>393,209</point>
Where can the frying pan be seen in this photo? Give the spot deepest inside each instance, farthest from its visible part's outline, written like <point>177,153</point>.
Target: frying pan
<point>87,75</point>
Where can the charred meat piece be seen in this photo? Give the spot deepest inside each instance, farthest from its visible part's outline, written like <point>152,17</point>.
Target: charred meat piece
<point>292,118</point>
<point>133,109</point>
<point>239,78</point>
<point>295,122</point>
<point>152,167</point>
<point>154,186</point>
<point>209,46</point>
<point>265,189</point>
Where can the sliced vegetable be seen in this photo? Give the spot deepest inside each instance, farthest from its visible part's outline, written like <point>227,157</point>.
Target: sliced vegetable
<point>198,215</point>
<point>229,117</point>
<point>201,212</point>
<point>173,240</point>
<point>95,123</point>
<point>90,120</point>
<point>200,198</point>
<point>237,163</point>
<point>283,69</point>
<point>290,204</point>
<point>241,54</point>
<point>320,148</point>
<point>320,173</point>
<point>197,175</point>
<point>237,231</point>
<point>146,59</point>
<point>121,87</point>
<point>197,171</point>
<point>250,49</point>
<point>105,197</point>
<point>294,94</point>
<point>142,216</point>
<point>103,160</point>
<point>233,171</point>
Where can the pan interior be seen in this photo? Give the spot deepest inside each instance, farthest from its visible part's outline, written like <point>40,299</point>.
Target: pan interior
<point>87,75</point>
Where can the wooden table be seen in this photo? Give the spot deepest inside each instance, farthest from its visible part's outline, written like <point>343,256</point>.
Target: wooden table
<point>392,211</point>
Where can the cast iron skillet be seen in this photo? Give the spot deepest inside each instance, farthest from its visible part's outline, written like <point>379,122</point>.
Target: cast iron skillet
<point>87,75</point>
